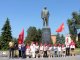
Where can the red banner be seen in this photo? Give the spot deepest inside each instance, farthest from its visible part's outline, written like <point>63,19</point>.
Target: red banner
<point>60,29</point>
<point>21,37</point>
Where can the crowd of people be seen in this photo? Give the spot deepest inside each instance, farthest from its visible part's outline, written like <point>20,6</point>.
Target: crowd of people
<point>36,50</point>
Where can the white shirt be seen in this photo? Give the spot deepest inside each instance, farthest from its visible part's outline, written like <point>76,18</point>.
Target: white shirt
<point>59,48</point>
<point>36,48</point>
<point>32,47</point>
<point>67,45</point>
<point>63,48</point>
<point>72,46</point>
<point>19,46</point>
<point>45,48</point>
<point>27,51</point>
<point>67,41</point>
<point>50,48</point>
<point>55,48</point>
<point>41,47</point>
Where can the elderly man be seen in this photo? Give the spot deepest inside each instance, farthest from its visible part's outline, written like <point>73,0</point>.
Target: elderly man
<point>11,49</point>
<point>67,43</point>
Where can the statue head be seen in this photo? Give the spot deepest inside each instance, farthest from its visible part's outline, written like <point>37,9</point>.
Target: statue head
<point>74,14</point>
<point>45,8</point>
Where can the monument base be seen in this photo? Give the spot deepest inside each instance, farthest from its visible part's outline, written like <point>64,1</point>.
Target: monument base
<point>46,35</point>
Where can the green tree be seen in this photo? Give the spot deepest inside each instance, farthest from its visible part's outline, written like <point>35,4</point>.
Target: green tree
<point>6,35</point>
<point>62,41</point>
<point>0,42</point>
<point>33,34</point>
<point>58,38</point>
<point>39,35</point>
<point>71,26</point>
<point>15,40</point>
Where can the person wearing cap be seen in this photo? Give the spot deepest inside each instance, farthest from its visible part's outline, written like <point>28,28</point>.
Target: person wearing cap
<point>32,47</point>
<point>63,50</point>
<point>37,49</point>
<point>41,50</point>
<point>72,48</point>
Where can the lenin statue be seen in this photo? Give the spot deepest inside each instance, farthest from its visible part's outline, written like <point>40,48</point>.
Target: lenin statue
<point>45,16</point>
<point>46,32</point>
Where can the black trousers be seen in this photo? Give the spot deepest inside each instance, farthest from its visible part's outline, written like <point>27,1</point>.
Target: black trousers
<point>11,52</point>
<point>45,53</point>
<point>23,54</point>
<point>20,54</point>
<point>55,53</point>
<point>67,51</point>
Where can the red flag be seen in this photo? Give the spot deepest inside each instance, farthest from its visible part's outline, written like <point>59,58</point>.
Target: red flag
<point>60,29</point>
<point>21,37</point>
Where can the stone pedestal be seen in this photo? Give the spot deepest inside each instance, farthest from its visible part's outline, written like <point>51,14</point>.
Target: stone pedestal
<point>46,35</point>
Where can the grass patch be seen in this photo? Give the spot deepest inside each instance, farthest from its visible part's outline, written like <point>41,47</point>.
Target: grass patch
<point>77,51</point>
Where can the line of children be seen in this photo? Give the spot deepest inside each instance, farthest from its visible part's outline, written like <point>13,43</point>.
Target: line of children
<point>43,50</point>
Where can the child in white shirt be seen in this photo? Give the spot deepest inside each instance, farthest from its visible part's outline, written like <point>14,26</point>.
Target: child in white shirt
<point>41,50</point>
<point>55,50</point>
<point>59,50</point>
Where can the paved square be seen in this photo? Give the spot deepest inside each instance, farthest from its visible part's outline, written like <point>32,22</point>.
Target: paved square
<point>54,58</point>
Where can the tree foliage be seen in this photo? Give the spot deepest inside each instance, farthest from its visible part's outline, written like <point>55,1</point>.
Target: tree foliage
<point>0,42</point>
<point>77,44</point>
<point>33,34</point>
<point>6,35</point>
<point>73,25</point>
<point>39,35</point>
<point>60,39</point>
<point>15,40</point>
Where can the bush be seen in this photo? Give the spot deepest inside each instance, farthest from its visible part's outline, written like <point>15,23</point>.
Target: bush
<point>78,44</point>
